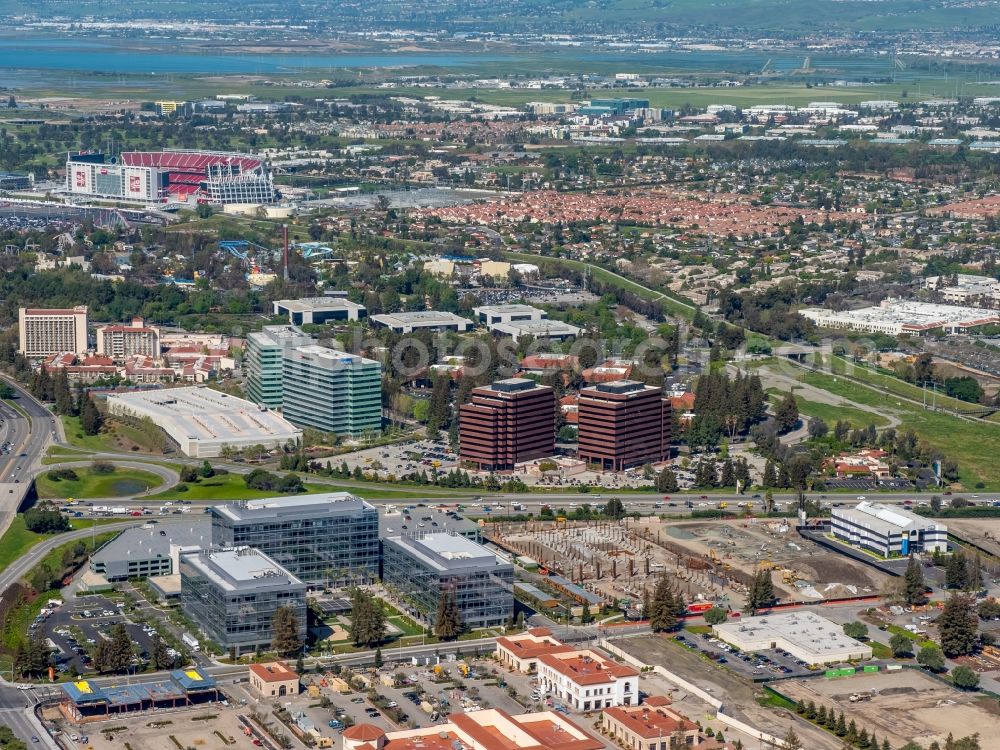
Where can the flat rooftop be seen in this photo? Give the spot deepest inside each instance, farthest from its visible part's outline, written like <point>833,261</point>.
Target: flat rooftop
<point>448,552</point>
<point>155,541</point>
<point>241,568</point>
<point>392,523</point>
<point>538,328</point>
<point>200,413</point>
<point>885,519</point>
<point>510,309</point>
<point>274,508</point>
<point>912,315</point>
<point>328,359</point>
<point>287,335</point>
<point>420,317</point>
<point>317,304</point>
<point>805,631</point>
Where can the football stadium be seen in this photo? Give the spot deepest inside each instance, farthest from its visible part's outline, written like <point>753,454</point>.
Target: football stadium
<point>171,177</point>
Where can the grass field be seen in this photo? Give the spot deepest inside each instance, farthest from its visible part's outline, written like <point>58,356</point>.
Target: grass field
<point>121,482</point>
<point>233,487</point>
<point>830,414</point>
<point>975,445</point>
<point>18,540</point>
<point>114,437</point>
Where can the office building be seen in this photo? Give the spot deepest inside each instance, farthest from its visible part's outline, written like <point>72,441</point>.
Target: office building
<point>14,181</point>
<point>487,729</point>
<point>141,552</point>
<point>586,680</point>
<point>554,330</point>
<point>274,680</point>
<point>263,362</point>
<point>233,594</point>
<point>520,652</point>
<point>490,315</point>
<point>426,320</point>
<point>651,725</point>
<point>888,531</point>
<point>200,422</point>
<point>42,332</point>
<point>423,570</point>
<point>623,423</point>
<point>805,635</point>
<point>318,310</point>
<point>122,342</point>
<point>329,538</point>
<point>331,391</point>
<point>507,423</point>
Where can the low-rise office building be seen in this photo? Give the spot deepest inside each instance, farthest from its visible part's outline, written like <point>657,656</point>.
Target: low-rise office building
<point>888,531</point>
<point>805,635</point>
<point>537,329</point>
<point>330,538</point>
<point>318,310</point>
<point>233,594</point>
<point>650,725</point>
<point>154,551</point>
<point>422,571</point>
<point>507,423</point>
<point>427,320</point>
<point>520,652</point>
<point>588,681</point>
<point>331,391</point>
<point>491,315</point>
<point>263,362</point>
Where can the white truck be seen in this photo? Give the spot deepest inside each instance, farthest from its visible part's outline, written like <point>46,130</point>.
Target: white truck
<point>191,642</point>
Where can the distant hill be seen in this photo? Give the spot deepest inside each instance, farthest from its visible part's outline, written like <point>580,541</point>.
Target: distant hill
<point>823,17</point>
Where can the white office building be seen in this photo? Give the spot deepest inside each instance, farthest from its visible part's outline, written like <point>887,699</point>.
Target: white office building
<point>888,531</point>
<point>491,315</point>
<point>42,331</point>
<point>805,635</point>
<point>428,320</point>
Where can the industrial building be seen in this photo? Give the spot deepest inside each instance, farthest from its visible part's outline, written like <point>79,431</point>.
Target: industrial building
<point>507,423</point>
<point>893,317</point>
<point>888,531</point>
<point>318,310</point>
<point>331,391</point>
<point>330,538</point>
<point>427,320</point>
<point>83,700</point>
<point>154,551</point>
<point>805,635</point>
<point>200,421</point>
<point>422,570</point>
<point>263,361</point>
<point>171,176</point>
<point>623,423</point>
<point>42,332</point>
<point>120,342</point>
<point>487,729</point>
<point>233,594</point>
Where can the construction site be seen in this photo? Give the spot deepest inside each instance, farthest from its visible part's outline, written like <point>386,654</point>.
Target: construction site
<point>902,706</point>
<point>711,560</point>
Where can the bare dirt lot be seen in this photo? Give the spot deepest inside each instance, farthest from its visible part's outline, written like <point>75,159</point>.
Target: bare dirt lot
<point>906,705</point>
<point>737,694</point>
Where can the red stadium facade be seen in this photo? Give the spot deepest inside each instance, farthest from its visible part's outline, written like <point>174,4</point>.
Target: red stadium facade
<point>171,177</point>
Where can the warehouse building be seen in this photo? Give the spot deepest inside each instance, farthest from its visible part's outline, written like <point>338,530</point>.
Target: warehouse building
<point>423,570</point>
<point>233,594</point>
<point>894,317</point>
<point>200,421</point>
<point>805,635</point>
<point>888,531</point>
<point>329,538</point>
<point>318,310</point>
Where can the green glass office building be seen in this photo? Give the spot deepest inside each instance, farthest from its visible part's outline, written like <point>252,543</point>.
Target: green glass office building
<point>264,359</point>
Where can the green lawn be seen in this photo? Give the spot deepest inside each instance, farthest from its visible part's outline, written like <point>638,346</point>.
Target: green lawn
<point>18,540</point>
<point>114,437</point>
<point>830,414</point>
<point>121,482</point>
<point>233,487</point>
<point>975,445</point>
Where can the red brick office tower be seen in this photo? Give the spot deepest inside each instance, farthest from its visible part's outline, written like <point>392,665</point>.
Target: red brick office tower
<point>506,423</point>
<point>623,424</point>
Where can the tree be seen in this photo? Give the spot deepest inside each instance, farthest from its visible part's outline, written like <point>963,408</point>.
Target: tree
<point>786,414</point>
<point>930,657</point>
<point>378,658</point>
<point>90,418</point>
<point>367,619</point>
<point>856,630</point>
<point>761,593</point>
<point>716,615</point>
<point>159,656</point>
<point>956,572</point>
<point>614,509</point>
<point>901,646</point>
<point>206,470</point>
<point>958,625</point>
<point>791,740</point>
<point>964,678</point>
<point>666,481</point>
<point>448,623</point>
<point>988,609</point>
<point>666,606</point>
<point>285,638</point>
<point>913,581</point>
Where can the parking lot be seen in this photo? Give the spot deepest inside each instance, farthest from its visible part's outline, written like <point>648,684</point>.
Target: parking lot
<point>402,458</point>
<point>760,665</point>
<point>76,628</point>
